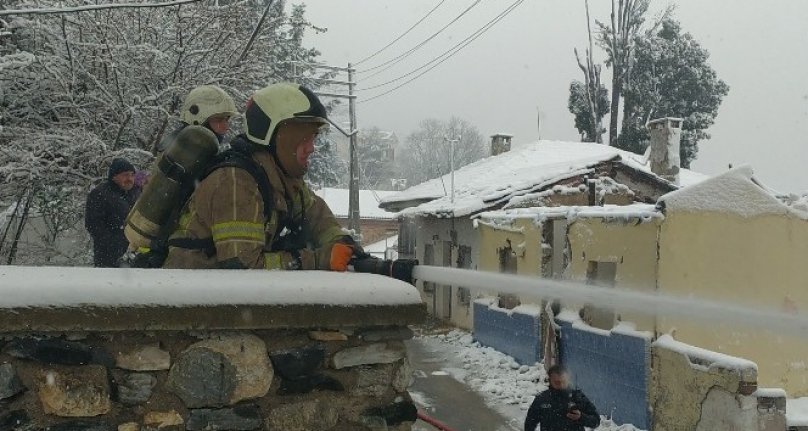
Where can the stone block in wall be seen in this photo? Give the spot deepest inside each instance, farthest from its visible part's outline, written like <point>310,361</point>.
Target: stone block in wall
<point>373,380</point>
<point>57,351</point>
<point>399,333</point>
<point>144,358</point>
<point>14,420</point>
<point>135,388</point>
<point>300,362</point>
<point>306,384</point>
<point>327,336</point>
<point>303,416</point>
<point>162,420</point>
<point>82,425</point>
<point>376,380</point>
<point>129,426</point>
<point>202,378</point>
<point>402,376</point>
<point>374,423</point>
<point>248,354</point>
<point>222,370</point>
<point>246,417</point>
<point>74,391</point>
<point>10,383</point>
<point>395,413</point>
<point>377,353</point>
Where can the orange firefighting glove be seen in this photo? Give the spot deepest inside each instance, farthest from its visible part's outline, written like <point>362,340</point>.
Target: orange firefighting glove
<point>341,254</point>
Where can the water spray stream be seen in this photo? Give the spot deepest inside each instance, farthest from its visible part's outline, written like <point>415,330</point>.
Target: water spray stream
<point>619,299</point>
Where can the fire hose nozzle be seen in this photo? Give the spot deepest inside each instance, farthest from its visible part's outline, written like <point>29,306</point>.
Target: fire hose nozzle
<point>400,269</point>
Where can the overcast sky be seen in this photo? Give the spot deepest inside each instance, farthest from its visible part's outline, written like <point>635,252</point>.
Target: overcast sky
<point>526,62</point>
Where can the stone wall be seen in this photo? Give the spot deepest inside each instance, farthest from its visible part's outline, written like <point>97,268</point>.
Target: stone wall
<point>175,368</point>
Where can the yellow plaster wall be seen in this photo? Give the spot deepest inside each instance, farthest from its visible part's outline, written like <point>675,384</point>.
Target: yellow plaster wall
<point>524,231</point>
<point>633,247</point>
<point>761,261</point>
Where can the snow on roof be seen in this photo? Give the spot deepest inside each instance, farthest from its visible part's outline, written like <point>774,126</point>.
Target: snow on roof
<point>797,412</point>
<point>527,169</point>
<point>704,359</point>
<point>735,191</point>
<point>337,200</point>
<point>51,286</point>
<point>644,212</point>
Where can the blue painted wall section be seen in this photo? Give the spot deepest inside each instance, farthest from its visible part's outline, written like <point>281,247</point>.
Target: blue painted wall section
<point>510,332</point>
<point>612,369</point>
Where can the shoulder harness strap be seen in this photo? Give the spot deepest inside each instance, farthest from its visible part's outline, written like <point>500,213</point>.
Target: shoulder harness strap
<point>238,156</point>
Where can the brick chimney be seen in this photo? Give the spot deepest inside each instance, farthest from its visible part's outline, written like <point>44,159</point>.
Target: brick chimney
<point>500,143</point>
<point>666,134</point>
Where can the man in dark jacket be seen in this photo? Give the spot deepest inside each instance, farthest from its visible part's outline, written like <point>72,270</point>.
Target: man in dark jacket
<point>106,211</point>
<point>560,408</point>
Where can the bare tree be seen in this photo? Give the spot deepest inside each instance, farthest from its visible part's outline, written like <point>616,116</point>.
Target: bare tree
<point>592,84</point>
<point>617,39</point>
<point>426,154</point>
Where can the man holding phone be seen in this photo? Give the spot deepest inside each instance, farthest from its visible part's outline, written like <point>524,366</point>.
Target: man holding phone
<point>560,408</point>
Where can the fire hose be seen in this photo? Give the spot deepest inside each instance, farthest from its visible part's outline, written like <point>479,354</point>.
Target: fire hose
<point>434,422</point>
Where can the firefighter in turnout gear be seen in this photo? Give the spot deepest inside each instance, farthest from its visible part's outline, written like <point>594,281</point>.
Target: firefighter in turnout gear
<point>227,222</point>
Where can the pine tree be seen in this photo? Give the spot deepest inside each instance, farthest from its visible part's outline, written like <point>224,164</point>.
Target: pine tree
<point>671,78</point>
<point>326,168</point>
<point>579,107</point>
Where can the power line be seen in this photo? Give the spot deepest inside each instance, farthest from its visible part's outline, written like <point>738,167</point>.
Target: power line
<point>402,35</point>
<point>446,55</point>
<point>413,49</point>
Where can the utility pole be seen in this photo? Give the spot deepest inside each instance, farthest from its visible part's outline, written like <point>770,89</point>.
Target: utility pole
<point>353,183</point>
<point>353,187</point>
<point>451,161</point>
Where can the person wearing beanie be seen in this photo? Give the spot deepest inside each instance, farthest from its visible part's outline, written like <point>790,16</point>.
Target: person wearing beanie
<point>105,213</point>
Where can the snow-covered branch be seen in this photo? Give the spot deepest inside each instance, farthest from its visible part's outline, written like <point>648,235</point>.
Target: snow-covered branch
<point>60,10</point>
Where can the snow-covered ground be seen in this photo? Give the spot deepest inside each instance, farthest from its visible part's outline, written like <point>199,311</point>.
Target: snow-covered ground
<point>507,387</point>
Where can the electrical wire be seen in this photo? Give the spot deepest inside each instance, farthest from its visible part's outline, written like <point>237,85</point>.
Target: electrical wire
<point>416,47</point>
<point>402,35</point>
<point>446,55</point>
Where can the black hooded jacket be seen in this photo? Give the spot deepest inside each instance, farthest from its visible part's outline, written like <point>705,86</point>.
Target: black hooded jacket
<point>104,217</point>
<point>549,409</point>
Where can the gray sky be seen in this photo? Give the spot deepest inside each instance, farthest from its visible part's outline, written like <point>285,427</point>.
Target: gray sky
<point>760,48</point>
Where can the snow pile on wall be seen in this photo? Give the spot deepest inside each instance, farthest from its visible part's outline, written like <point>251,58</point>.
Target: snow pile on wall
<point>735,191</point>
<point>22,287</point>
<point>797,412</point>
<point>623,328</point>
<point>703,359</point>
<point>642,212</point>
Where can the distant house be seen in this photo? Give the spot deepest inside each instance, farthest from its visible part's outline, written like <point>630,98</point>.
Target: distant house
<point>439,231</point>
<point>375,223</point>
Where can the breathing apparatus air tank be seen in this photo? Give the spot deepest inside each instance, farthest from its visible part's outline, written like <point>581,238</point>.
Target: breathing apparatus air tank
<point>171,182</point>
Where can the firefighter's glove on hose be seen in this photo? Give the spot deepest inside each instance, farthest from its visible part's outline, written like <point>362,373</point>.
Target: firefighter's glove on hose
<point>341,255</point>
<point>401,269</point>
